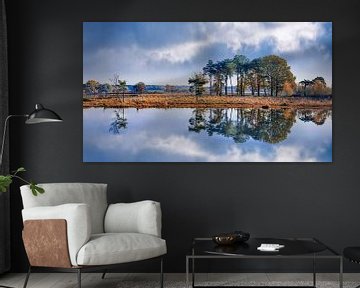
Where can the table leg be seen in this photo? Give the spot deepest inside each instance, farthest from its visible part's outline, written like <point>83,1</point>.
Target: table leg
<point>187,272</point>
<point>193,267</point>
<point>341,273</point>
<point>314,271</point>
<point>193,272</point>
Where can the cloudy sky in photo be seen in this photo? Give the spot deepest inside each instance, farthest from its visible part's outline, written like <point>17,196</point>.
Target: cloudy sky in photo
<point>162,53</point>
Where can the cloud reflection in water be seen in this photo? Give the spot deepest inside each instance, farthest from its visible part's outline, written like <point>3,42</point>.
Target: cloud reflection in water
<point>207,135</point>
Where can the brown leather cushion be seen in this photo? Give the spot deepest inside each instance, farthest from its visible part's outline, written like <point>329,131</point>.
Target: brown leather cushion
<point>46,243</point>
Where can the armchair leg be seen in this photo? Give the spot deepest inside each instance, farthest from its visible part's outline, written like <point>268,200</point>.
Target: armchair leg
<point>79,277</point>
<point>27,277</point>
<point>161,273</point>
<point>103,275</point>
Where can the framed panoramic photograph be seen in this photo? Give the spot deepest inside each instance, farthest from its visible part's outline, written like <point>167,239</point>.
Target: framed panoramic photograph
<point>207,92</point>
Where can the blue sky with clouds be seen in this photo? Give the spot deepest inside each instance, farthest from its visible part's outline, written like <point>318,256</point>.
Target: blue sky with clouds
<point>169,52</point>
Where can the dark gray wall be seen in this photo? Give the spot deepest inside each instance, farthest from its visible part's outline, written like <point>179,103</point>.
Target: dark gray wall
<point>320,200</point>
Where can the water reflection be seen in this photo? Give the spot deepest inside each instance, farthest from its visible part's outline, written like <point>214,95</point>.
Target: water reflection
<point>316,116</point>
<point>266,125</point>
<point>119,122</point>
<point>207,135</point>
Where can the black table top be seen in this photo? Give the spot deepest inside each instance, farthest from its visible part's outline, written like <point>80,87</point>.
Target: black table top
<point>292,247</point>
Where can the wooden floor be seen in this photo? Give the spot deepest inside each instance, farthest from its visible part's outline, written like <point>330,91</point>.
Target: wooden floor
<point>115,280</point>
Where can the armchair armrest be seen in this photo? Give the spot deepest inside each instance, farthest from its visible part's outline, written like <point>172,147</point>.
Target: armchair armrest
<point>77,219</point>
<point>138,217</point>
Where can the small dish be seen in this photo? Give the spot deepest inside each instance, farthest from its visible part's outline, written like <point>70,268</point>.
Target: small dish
<point>225,239</point>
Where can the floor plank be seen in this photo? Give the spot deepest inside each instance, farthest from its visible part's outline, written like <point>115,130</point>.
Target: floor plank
<point>115,280</point>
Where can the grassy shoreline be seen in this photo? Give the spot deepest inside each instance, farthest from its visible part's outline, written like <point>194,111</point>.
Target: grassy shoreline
<point>189,101</point>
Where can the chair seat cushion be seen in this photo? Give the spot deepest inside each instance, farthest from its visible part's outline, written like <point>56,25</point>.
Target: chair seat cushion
<point>114,248</point>
<point>352,253</point>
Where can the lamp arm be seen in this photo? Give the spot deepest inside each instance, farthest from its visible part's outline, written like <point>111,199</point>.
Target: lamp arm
<point>4,134</point>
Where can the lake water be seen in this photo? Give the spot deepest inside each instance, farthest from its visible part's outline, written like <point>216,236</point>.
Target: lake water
<point>207,135</point>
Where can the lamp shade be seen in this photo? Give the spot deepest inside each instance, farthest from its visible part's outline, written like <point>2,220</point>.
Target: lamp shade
<point>42,115</point>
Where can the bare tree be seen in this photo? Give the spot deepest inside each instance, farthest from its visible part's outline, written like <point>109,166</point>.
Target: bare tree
<point>115,82</point>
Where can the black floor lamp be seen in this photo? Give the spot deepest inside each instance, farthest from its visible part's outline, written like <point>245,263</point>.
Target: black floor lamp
<point>39,115</point>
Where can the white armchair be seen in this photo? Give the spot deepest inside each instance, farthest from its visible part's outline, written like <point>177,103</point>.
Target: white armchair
<point>72,228</point>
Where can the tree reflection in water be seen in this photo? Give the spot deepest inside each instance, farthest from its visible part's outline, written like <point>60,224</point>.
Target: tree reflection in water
<point>316,116</point>
<point>120,122</point>
<point>267,125</point>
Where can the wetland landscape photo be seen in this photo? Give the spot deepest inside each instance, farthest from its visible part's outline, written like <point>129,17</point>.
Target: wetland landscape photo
<point>207,92</point>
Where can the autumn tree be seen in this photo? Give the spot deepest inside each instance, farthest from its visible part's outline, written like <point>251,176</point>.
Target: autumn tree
<point>122,88</point>
<point>223,70</point>
<point>320,79</point>
<point>289,88</point>
<point>210,71</point>
<point>251,81</point>
<point>140,87</point>
<point>241,66</point>
<point>277,70</point>
<point>197,82</point>
<point>169,88</point>
<point>115,82</point>
<point>218,79</point>
<point>252,77</point>
<point>257,76</point>
<point>270,73</point>
<point>319,86</point>
<point>93,85</point>
<point>306,83</point>
<point>105,88</point>
<point>229,67</point>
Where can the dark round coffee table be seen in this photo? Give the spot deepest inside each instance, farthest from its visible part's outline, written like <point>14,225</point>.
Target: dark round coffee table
<point>294,248</point>
<point>291,247</point>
